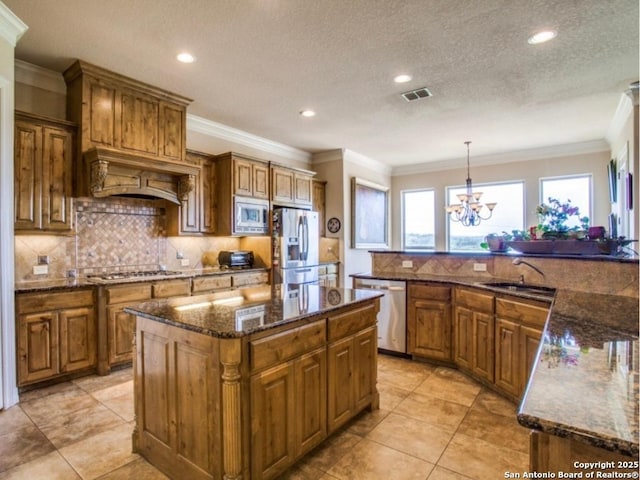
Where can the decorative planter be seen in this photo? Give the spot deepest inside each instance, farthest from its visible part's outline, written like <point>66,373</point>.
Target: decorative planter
<point>564,247</point>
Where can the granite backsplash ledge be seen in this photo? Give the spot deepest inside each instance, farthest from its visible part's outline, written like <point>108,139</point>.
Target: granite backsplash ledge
<point>595,276</point>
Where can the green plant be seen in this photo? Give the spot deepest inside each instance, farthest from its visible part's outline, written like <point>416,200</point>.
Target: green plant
<point>496,241</point>
<point>553,218</point>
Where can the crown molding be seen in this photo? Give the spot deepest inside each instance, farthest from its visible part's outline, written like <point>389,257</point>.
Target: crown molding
<point>580,148</point>
<point>35,76</point>
<point>623,111</point>
<point>327,156</point>
<point>369,163</point>
<point>224,132</point>
<point>11,27</point>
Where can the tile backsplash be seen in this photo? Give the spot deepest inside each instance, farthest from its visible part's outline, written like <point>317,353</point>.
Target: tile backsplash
<point>115,234</point>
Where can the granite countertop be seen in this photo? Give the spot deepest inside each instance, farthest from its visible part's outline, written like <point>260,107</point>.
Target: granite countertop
<point>66,283</point>
<point>242,312</point>
<point>474,281</point>
<point>584,384</point>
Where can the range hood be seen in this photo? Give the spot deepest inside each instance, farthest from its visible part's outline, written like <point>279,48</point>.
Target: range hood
<point>131,136</point>
<point>116,172</point>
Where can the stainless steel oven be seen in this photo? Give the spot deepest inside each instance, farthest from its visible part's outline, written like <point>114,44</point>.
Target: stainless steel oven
<point>250,216</point>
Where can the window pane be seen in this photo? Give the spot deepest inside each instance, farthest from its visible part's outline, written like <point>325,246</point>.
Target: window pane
<point>418,223</point>
<point>576,189</point>
<point>507,216</point>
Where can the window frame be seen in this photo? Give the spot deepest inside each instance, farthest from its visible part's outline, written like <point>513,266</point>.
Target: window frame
<point>402,219</point>
<point>478,186</point>
<point>541,198</point>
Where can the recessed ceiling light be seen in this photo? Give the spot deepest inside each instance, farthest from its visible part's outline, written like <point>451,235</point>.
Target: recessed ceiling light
<point>404,78</point>
<point>307,113</point>
<point>185,57</point>
<point>542,37</point>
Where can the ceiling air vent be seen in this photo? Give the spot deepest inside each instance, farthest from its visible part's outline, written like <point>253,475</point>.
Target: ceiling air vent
<point>417,94</point>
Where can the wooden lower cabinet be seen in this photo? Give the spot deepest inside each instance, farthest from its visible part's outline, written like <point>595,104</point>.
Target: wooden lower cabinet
<point>249,407</point>
<point>474,333</point>
<point>121,327</point>
<point>56,335</point>
<point>519,325</point>
<point>549,453</point>
<point>429,321</point>
<point>288,411</point>
<point>352,366</point>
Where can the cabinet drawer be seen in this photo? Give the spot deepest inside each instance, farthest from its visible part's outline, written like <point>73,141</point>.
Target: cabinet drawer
<point>278,348</point>
<point>351,322</point>
<point>249,279</point>
<point>171,288</point>
<point>477,302</point>
<point>522,312</point>
<point>129,293</point>
<point>40,302</point>
<point>429,292</point>
<point>215,282</point>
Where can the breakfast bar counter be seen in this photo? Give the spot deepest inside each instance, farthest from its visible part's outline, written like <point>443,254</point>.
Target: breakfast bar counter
<point>243,383</point>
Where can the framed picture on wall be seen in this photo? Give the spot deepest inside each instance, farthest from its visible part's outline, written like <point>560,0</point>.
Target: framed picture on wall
<point>369,214</point>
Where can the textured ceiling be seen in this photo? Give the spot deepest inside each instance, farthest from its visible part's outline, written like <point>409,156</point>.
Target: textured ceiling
<point>259,62</point>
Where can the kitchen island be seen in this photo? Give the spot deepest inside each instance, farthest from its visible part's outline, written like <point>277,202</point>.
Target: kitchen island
<point>241,384</point>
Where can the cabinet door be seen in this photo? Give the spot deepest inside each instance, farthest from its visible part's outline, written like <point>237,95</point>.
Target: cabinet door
<point>38,357</point>
<point>311,400</point>
<point>430,329</point>
<point>120,331</point>
<point>483,335</point>
<point>260,180</point>
<point>57,164</point>
<point>242,177</point>
<point>139,123</point>
<point>365,351</point>
<point>529,343</point>
<point>318,205</point>
<point>208,194</point>
<point>340,384</point>
<point>282,185</point>
<point>303,190</point>
<point>507,371</point>
<point>273,421</point>
<point>463,337</point>
<point>77,339</point>
<point>27,176</point>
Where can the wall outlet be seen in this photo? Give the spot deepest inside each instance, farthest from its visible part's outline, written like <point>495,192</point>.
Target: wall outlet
<point>479,267</point>
<point>184,262</point>
<point>40,269</point>
<point>407,264</point>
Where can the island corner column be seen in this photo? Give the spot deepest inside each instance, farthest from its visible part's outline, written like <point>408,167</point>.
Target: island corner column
<point>230,359</point>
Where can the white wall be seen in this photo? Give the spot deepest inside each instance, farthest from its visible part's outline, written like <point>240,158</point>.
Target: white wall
<point>528,171</point>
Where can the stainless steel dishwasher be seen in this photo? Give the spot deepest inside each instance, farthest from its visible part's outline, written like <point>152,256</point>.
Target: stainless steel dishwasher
<point>392,318</point>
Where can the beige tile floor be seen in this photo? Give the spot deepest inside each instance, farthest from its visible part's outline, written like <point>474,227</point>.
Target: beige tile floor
<point>434,423</point>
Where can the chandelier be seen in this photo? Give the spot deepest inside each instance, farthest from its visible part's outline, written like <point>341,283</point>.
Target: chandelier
<point>467,212</point>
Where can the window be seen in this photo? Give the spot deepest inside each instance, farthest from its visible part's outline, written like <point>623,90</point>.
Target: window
<point>576,188</point>
<point>507,216</point>
<point>418,223</point>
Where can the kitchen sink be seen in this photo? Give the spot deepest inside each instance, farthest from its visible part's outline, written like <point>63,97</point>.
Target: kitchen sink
<point>522,288</point>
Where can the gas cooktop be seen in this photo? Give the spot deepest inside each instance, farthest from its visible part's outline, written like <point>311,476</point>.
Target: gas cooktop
<point>136,276</point>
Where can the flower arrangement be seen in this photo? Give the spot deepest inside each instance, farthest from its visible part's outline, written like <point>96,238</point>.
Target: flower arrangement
<point>554,216</point>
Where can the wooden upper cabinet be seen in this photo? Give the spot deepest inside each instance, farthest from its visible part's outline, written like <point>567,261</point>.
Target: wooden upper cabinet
<point>318,204</point>
<point>196,214</point>
<point>43,160</point>
<point>291,187</point>
<point>250,178</point>
<point>122,113</point>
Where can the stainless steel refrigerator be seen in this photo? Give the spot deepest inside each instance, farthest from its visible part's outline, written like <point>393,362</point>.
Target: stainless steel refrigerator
<point>295,246</point>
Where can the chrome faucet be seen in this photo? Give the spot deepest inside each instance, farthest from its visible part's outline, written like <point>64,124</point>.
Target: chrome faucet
<point>519,261</point>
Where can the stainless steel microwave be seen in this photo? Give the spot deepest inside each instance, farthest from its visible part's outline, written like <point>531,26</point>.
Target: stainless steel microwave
<point>251,216</point>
